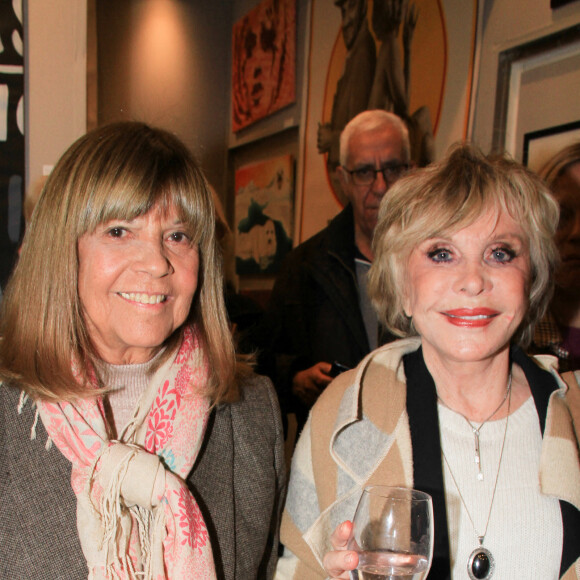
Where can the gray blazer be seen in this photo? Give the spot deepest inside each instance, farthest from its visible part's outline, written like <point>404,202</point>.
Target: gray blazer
<point>239,481</point>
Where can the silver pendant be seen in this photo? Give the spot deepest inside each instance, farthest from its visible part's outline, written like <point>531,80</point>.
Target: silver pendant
<point>481,564</point>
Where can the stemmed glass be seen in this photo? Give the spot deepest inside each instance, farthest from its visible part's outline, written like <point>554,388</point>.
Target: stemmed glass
<point>393,534</point>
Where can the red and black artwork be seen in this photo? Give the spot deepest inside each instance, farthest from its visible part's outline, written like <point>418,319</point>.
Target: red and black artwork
<point>264,62</point>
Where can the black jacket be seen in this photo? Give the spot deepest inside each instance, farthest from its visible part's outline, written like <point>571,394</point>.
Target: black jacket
<point>314,312</point>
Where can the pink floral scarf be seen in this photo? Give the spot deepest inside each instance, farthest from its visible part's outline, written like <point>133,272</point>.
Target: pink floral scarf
<point>136,517</point>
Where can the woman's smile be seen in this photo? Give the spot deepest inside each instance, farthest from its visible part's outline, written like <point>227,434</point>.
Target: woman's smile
<point>471,317</point>
<point>143,298</point>
<point>137,280</point>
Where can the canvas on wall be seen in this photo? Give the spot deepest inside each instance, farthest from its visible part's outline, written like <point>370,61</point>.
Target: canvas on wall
<point>412,57</point>
<point>11,133</point>
<point>549,65</point>
<point>264,205</point>
<point>263,62</point>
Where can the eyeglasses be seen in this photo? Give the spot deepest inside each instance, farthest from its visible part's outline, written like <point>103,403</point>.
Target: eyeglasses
<point>367,175</point>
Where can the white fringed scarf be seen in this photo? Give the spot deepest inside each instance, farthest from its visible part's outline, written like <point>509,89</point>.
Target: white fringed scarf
<point>136,517</point>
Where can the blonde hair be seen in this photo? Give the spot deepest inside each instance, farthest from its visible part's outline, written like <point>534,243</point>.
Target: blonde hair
<point>558,164</point>
<point>119,171</point>
<point>31,199</point>
<point>446,197</point>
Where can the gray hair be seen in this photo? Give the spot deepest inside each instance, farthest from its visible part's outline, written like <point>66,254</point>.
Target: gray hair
<point>369,121</point>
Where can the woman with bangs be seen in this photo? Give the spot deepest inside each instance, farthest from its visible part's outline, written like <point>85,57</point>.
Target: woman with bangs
<point>128,427</point>
<point>464,264</point>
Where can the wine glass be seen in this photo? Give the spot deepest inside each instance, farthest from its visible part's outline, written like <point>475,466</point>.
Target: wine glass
<point>393,534</point>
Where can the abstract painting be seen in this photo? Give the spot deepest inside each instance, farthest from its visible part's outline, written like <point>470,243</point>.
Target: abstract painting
<point>263,62</point>
<point>263,214</point>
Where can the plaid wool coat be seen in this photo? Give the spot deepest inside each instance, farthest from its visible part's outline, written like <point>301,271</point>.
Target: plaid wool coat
<point>362,431</point>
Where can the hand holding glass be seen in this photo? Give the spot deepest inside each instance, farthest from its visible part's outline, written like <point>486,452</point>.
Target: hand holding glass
<point>393,534</point>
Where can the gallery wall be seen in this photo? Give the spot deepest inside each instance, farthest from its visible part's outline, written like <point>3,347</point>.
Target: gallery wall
<point>167,63</point>
<point>55,81</point>
<point>195,101</point>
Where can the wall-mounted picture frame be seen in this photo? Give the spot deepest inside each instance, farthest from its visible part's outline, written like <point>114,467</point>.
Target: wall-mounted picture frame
<point>536,88</point>
<point>263,62</point>
<point>558,3</point>
<point>12,128</point>
<point>264,212</point>
<point>540,146</point>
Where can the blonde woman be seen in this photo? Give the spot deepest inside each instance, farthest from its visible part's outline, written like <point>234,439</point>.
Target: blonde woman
<point>464,264</point>
<point>558,332</point>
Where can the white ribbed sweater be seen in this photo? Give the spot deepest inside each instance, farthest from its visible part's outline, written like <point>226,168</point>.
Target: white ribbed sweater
<point>525,528</point>
<point>127,383</point>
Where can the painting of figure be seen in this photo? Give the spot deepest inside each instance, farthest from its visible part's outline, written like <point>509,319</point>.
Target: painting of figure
<point>376,75</point>
<point>264,62</point>
<point>353,90</point>
<point>414,58</point>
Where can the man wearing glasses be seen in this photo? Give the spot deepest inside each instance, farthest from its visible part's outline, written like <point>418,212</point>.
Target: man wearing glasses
<point>320,320</point>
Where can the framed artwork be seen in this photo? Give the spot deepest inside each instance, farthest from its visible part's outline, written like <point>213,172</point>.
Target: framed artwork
<point>416,58</point>
<point>11,133</point>
<point>536,88</point>
<point>264,204</point>
<point>263,62</point>
<point>540,146</point>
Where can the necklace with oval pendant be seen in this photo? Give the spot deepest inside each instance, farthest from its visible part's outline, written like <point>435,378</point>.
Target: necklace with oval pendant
<point>481,563</point>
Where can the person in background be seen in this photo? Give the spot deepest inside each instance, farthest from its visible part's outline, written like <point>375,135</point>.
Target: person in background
<point>558,333</point>
<point>464,263</point>
<point>132,442</point>
<point>319,312</point>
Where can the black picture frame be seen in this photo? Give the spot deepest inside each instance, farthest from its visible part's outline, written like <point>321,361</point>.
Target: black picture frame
<point>534,136</point>
<point>558,3</point>
<point>541,146</point>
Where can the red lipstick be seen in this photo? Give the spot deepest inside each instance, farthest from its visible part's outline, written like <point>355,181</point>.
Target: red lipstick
<point>470,317</point>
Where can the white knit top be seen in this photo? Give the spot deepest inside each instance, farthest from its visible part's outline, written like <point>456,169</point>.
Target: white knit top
<point>127,382</point>
<point>524,533</point>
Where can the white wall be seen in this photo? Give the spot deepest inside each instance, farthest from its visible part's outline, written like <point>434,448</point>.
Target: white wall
<point>166,62</point>
<point>55,80</point>
<point>510,23</point>
<point>182,85</point>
